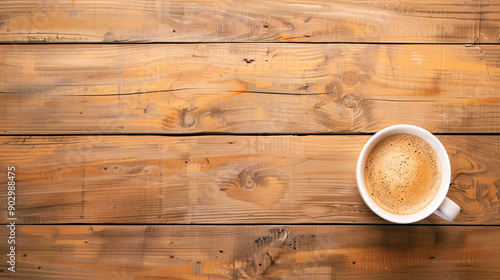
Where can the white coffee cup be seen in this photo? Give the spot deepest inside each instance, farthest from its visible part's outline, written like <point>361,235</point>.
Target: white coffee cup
<point>440,205</point>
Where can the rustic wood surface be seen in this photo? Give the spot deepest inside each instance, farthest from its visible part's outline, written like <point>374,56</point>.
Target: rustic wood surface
<point>419,21</point>
<point>248,88</point>
<point>256,252</point>
<point>154,139</point>
<point>222,179</point>
<point>489,23</point>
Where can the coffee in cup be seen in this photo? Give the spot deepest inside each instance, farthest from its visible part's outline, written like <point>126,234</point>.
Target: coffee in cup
<point>402,173</point>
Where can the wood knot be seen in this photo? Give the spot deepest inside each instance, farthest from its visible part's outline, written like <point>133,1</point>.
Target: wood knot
<point>187,118</point>
<point>334,89</point>
<point>350,78</point>
<point>109,37</point>
<point>246,179</point>
<point>351,101</point>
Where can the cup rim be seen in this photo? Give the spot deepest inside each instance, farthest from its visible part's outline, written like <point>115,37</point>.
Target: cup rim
<point>445,173</point>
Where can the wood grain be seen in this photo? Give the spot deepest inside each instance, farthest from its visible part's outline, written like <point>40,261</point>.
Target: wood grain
<point>248,88</point>
<point>102,206</point>
<point>254,252</point>
<point>490,23</point>
<point>236,21</point>
<point>221,179</point>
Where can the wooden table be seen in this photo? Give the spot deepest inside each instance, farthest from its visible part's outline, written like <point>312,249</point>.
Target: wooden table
<point>157,139</point>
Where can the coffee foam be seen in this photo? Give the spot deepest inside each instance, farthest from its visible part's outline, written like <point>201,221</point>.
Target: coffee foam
<point>402,174</point>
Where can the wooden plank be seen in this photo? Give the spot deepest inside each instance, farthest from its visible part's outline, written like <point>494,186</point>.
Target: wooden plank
<point>489,28</point>
<point>248,88</point>
<point>235,21</point>
<point>254,252</point>
<point>221,179</point>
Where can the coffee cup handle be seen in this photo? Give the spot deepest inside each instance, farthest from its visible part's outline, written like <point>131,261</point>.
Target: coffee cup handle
<point>448,210</point>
